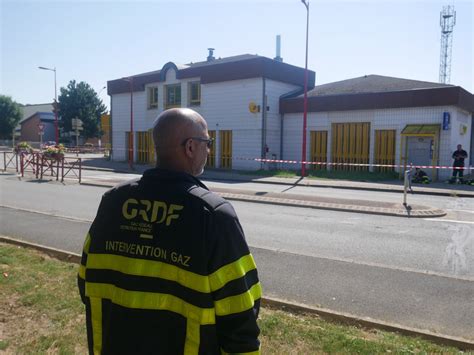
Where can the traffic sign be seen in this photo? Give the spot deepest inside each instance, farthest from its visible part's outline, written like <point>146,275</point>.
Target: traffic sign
<point>41,127</point>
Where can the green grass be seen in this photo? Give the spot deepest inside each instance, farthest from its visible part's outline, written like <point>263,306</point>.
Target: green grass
<point>39,295</point>
<point>325,174</point>
<point>42,314</point>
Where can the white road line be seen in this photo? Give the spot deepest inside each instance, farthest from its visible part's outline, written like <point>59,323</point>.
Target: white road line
<point>47,214</point>
<point>352,261</point>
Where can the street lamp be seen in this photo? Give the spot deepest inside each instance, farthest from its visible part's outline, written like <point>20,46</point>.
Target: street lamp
<point>130,138</point>
<point>305,103</point>
<point>101,90</point>
<point>56,129</point>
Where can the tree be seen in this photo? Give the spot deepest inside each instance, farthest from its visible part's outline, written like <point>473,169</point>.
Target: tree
<point>10,115</point>
<point>81,101</point>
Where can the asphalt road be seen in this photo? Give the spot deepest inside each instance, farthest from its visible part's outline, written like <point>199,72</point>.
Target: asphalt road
<point>418,273</point>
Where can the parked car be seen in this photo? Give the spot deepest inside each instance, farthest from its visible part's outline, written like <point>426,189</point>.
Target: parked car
<point>48,144</point>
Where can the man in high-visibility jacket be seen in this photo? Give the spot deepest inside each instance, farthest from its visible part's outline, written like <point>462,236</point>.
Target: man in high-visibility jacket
<point>165,267</point>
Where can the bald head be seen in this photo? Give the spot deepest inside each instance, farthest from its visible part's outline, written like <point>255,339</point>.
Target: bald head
<point>171,130</point>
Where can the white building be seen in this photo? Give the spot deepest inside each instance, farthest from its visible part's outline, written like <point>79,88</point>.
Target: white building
<point>231,93</point>
<point>254,109</point>
<point>382,120</point>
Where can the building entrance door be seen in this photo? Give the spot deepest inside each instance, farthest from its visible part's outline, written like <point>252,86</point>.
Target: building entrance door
<point>419,152</point>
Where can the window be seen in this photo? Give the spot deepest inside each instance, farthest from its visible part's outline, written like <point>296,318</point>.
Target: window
<point>173,96</point>
<point>195,93</point>
<point>152,98</point>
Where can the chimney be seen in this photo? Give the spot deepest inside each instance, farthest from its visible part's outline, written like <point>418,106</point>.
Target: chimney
<point>278,57</point>
<point>210,57</point>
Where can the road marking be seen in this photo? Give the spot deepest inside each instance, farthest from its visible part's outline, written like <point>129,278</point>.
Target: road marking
<point>76,219</point>
<point>351,261</point>
<point>447,220</point>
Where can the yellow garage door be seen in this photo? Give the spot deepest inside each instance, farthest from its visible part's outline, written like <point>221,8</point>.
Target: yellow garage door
<point>225,138</point>
<point>145,147</point>
<point>350,144</point>
<point>318,148</point>
<point>211,159</point>
<point>106,127</point>
<point>384,149</point>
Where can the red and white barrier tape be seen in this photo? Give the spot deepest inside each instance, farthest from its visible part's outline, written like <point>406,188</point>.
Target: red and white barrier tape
<point>354,164</point>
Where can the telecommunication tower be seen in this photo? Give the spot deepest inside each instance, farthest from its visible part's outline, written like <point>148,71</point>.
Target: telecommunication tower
<point>447,20</point>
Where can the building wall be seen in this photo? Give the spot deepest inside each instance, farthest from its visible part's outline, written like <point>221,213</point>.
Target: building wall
<point>274,89</point>
<point>395,119</point>
<point>30,131</point>
<point>225,106</point>
<point>121,121</point>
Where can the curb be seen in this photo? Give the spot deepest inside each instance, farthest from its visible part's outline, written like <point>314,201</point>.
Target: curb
<point>292,307</point>
<point>367,323</point>
<point>382,211</point>
<point>429,213</point>
<point>457,193</point>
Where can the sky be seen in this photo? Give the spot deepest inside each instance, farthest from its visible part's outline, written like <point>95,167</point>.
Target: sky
<point>97,41</point>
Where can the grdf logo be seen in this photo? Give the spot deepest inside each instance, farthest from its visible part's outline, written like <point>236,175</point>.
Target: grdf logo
<point>151,211</point>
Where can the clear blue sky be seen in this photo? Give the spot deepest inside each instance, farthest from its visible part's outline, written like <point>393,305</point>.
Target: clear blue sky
<point>96,41</point>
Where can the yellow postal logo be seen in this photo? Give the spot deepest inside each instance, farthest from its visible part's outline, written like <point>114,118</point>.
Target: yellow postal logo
<point>151,211</point>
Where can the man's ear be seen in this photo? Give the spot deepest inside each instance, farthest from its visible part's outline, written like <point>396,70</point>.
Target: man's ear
<point>189,148</point>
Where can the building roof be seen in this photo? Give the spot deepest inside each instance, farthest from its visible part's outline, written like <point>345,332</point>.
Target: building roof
<point>29,110</point>
<point>371,84</point>
<point>43,116</point>
<point>234,58</point>
<point>239,67</point>
<point>379,92</point>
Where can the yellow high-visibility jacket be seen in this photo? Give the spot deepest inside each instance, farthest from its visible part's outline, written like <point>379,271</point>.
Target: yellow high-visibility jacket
<point>166,270</point>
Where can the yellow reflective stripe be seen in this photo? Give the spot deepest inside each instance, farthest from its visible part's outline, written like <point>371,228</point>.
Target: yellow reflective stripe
<point>149,268</point>
<point>87,244</point>
<point>150,300</point>
<point>238,303</point>
<point>96,315</point>
<point>232,271</point>
<point>82,272</point>
<point>193,338</point>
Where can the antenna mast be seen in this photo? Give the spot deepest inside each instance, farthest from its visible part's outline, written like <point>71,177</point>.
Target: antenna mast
<point>447,20</point>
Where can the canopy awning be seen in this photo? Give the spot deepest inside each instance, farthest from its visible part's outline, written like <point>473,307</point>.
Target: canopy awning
<point>421,130</point>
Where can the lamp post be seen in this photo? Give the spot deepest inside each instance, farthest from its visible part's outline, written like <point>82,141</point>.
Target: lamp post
<point>305,100</point>
<point>55,104</point>
<point>130,138</point>
<point>101,90</point>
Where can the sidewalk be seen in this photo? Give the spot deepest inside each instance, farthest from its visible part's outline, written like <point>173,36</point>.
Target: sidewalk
<point>91,161</point>
<point>288,199</point>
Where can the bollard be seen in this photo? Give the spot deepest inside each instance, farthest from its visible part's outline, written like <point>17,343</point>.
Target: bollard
<point>22,168</point>
<point>406,186</point>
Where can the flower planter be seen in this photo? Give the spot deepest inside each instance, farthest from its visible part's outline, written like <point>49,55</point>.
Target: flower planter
<point>53,156</point>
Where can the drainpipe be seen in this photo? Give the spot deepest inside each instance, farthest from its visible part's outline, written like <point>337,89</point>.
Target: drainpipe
<point>264,123</point>
<point>111,129</point>
<point>281,135</point>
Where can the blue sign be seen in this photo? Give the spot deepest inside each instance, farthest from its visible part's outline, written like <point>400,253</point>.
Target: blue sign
<point>446,121</point>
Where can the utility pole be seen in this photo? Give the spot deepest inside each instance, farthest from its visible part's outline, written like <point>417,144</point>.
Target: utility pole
<point>447,20</point>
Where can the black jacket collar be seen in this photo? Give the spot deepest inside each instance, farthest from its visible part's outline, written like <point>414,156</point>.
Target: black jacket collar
<point>175,176</point>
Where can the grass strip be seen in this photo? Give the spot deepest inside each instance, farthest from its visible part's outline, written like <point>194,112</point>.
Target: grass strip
<point>354,175</point>
<point>41,313</point>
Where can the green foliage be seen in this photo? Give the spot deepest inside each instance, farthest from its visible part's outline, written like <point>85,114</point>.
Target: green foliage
<point>10,115</point>
<point>80,100</point>
<point>24,145</point>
